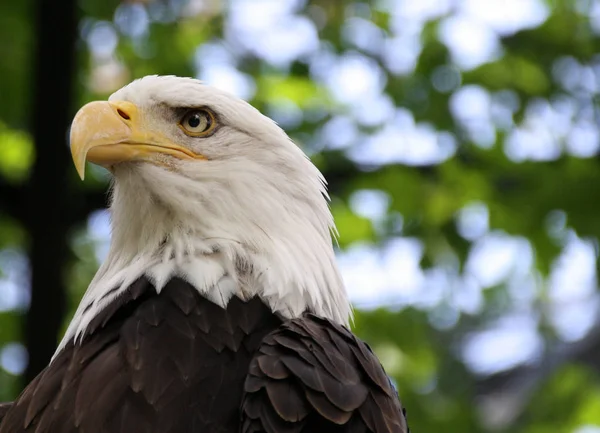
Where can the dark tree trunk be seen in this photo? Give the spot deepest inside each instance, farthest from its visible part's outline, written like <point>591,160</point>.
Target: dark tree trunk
<point>47,195</point>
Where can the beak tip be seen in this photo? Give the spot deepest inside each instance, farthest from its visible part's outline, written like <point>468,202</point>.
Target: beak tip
<point>81,170</point>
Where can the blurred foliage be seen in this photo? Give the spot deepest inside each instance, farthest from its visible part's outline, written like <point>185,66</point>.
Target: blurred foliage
<point>547,67</point>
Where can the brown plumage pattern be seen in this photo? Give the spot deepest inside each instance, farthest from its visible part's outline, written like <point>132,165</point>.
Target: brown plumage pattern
<point>174,362</point>
<point>312,375</point>
<point>3,409</point>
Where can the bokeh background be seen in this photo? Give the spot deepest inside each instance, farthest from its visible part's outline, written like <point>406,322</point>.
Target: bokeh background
<point>460,139</point>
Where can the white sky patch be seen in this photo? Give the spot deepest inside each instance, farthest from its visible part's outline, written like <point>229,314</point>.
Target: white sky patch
<point>400,54</point>
<point>213,53</point>
<point>363,34</point>
<point>353,78</point>
<point>283,45</point>
<point>472,33</point>
<point>583,141</point>
<point>377,277</point>
<point>374,110</point>
<point>573,281</point>
<point>557,116</point>
<point>545,126</point>
<point>567,72</point>
<point>339,133</point>
<point>407,19</point>
<point>513,341</point>
<point>574,274</point>
<point>595,19</point>
<point>532,142</point>
<point>102,39</point>
<point>447,294</point>
<point>506,16</point>
<point>416,11</point>
<point>14,358</point>
<point>322,62</point>
<point>435,288</point>
<point>228,78</point>
<point>14,282</point>
<point>466,295</point>
<point>471,106</point>
<point>10,296</point>
<point>589,82</point>
<point>271,30</point>
<point>573,320</point>
<point>99,231</point>
<point>391,276</point>
<point>401,140</point>
<point>471,103</point>
<point>132,19</point>
<point>471,42</point>
<point>216,65</point>
<point>260,13</point>
<point>444,316</point>
<point>371,204</point>
<point>496,256</point>
<point>578,79</point>
<point>472,221</point>
<point>524,287</point>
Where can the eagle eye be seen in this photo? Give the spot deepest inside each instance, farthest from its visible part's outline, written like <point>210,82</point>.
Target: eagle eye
<point>198,122</point>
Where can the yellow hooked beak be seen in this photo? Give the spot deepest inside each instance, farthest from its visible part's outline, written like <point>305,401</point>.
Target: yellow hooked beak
<point>106,133</point>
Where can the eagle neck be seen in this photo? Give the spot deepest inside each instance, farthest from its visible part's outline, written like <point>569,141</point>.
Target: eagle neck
<point>156,233</point>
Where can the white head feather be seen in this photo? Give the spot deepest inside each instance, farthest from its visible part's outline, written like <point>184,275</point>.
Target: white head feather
<point>252,219</point>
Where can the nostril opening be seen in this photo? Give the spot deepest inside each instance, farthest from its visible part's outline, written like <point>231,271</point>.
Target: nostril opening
<point>123,114</point>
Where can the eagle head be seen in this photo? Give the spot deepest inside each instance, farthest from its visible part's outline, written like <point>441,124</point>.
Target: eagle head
<point>207,188</point>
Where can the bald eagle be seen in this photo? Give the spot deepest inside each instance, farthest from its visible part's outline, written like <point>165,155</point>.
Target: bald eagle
<point>220,307</point>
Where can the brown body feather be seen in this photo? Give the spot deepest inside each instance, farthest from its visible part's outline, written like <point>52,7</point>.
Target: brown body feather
<point>312,375</point>
<point>176,363</point>
<point>3,409</point>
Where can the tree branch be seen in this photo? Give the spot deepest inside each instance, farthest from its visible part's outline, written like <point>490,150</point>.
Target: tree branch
<point>48,199</point>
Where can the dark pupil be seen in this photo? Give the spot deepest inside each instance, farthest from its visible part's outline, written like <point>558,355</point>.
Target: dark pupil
<point>194,120</point>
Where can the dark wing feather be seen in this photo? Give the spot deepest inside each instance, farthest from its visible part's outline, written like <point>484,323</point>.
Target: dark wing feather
<point>3,409</point>
<point>312,375</point>
<point>172,362</point>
